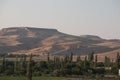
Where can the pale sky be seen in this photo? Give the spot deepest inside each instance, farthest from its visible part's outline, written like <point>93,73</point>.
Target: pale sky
<point>76,17</point>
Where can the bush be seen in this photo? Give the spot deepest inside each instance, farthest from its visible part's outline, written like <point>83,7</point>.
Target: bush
<point>8,72</point>
<point>37,73</point>
<point>56,73</point>
<point>99,71</point>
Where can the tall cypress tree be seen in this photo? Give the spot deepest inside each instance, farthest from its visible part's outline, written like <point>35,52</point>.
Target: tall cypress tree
<point>85,61</point>
<point>54,62</point>
<point>91,59</point>
<point>29,68</point>
<point>15,64</point>
<point>66,58</point>
<point>4,64</point>
<point>48,57</point>
<point>118,60</point>
<point>107,61</point>
<point>96,59</point>
<point>85,65</point>
<point>91,56</point>
<point>23,65</point>
<point>71,57</point>
<point>58,62</point>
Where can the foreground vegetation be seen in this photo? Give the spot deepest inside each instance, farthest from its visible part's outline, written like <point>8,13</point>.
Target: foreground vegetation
<point>59,68</point>
<point>34,78</point>
<point>54,78</point>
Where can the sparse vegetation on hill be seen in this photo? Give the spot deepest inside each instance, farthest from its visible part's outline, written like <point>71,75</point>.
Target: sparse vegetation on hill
<point>26,40</point>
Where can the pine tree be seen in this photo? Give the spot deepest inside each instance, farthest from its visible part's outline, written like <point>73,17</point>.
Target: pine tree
<point>29,68</point>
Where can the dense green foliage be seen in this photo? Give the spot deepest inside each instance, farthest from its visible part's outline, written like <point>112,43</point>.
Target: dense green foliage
<point>88,66</point>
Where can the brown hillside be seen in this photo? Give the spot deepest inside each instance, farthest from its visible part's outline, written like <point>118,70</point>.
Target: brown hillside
<point>26,40</point>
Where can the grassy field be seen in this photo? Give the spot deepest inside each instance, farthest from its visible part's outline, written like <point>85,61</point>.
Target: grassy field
<point>34,78</point>
<point>51,78</point>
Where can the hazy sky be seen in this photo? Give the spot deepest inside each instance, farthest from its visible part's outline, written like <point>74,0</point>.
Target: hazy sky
<point>77,17</point>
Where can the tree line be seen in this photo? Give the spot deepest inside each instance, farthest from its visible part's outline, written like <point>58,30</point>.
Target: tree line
<point>57,66</point>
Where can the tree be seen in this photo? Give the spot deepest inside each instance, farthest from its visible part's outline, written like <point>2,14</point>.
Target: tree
<point>29,68</point>
<point>96,59</point>
<point>71,57</point>
<point>118,60</point>
<point>107,61</point>
<point>116,65</point>
<point>48,57</point>
<point>91,56</point>
<point>91,59</point>
<point>23,65</point>
<point>66,58</point>
<point>78,58</point>
<point>86,65</point>
<point>3,64</point>
<point>15,64</point>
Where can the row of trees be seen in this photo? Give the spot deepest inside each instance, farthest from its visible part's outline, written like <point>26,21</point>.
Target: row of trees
<point>16,67</point>
<point>59,66</point>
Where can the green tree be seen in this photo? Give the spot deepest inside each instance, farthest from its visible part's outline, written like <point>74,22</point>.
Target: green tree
<point>16,64</point>
<point>48,56</point>
<point>66,58</point>
<point>71,57</point>
<point>23,65</point>
<point>91,59</point>
<point>96,59</point>
<point>91,56</point>
<point>29,68</point>
<point>78,58</point>
<point>116,65</point>
<point>107,61</point>
<point>86,65</point>
<point>118,60</point>
<point>3,64</point>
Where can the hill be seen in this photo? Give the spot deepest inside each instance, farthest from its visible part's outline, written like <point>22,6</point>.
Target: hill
<point>19,40</point>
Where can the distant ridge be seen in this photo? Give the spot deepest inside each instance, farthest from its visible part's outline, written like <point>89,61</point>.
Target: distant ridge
<point>26,40</point>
